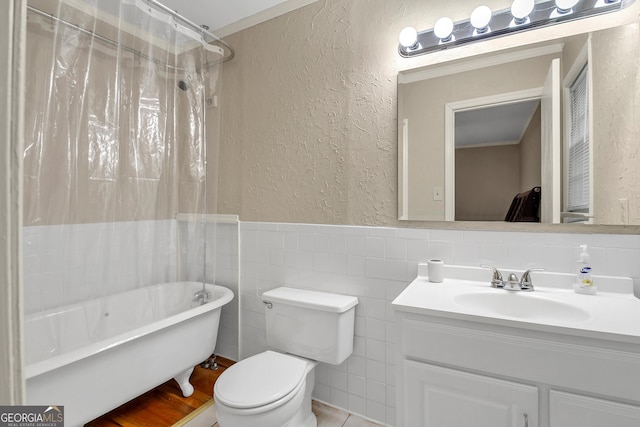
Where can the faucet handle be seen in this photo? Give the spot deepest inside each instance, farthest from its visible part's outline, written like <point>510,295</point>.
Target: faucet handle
<point>525,281</point>
<point>496,280</point>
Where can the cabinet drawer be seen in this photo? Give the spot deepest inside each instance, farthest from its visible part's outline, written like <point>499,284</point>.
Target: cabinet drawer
<point>499,351</point>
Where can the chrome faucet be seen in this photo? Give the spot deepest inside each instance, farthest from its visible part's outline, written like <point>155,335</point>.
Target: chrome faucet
<point>202,295</point>
<point>524,284</point>
<point>496,280</point>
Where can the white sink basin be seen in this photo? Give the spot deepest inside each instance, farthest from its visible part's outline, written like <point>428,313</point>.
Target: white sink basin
<point>521,305</point>
<point>466,294</point>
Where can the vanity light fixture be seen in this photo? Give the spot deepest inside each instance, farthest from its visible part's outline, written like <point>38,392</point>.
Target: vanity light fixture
<point>565,6</point>
<point>601,3</point>
<point>479,19</point>
<point>443,30</point>
<point>521,9</point>
<point>483,23</point>
<point>409,38</point>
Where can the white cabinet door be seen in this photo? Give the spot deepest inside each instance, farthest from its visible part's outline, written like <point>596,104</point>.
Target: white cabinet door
<point>440,397</point>
<point>572,410</point>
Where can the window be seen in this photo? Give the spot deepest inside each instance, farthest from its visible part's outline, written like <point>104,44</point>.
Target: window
<point>578,162</point>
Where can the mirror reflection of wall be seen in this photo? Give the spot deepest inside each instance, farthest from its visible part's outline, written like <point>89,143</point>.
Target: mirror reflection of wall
<point>497,156</point>
<point>614,128</point>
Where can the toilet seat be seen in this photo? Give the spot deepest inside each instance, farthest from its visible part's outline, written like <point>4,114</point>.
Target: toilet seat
<point>261,380</point>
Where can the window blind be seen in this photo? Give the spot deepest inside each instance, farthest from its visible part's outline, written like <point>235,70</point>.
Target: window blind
<point>578,161</point>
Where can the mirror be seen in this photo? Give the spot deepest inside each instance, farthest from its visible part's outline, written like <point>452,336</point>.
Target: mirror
<point>486,179</point>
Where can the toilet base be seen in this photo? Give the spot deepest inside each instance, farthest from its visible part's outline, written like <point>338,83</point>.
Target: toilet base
<point>302,421</point>
<point>305,417</point>
<point>300,415</point>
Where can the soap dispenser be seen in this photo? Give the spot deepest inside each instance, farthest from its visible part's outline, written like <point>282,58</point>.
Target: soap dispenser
<point>584,280</point>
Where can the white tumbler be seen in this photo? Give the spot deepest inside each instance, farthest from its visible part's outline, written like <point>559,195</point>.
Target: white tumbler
<point>435,270</point>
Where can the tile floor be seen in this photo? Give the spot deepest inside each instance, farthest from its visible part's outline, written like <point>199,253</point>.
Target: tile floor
<point>331,417</point>
<point>327,417</point>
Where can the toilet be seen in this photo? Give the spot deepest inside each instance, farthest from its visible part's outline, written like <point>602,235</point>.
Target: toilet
<point>273,388</point>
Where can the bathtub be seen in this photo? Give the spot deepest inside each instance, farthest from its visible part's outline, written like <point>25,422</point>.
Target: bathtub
<point>94,356</point>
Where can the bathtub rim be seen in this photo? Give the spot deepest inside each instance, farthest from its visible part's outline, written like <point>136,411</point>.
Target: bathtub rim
<point>44,366</point>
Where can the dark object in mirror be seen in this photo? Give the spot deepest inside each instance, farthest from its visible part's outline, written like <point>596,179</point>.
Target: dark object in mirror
<point>525,207</point>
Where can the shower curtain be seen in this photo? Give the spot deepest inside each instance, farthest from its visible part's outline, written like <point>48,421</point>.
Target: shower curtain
<point>120,119</point>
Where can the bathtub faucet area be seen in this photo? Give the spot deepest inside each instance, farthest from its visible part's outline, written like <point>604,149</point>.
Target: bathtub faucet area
<point>202,295</point>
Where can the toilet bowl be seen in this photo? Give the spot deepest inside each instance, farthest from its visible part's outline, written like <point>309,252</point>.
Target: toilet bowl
<point>269,389</point>
<point>273,388</point>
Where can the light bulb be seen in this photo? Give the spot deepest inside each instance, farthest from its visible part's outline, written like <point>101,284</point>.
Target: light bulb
<point>480,18</point>
<point>565,6</point>
<point>521,9</point>
<point>603,3</point>
<point>443,28</point>
<point>408,38</point>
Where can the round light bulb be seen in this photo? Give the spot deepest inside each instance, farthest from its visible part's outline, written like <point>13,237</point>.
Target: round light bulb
<point>565,6</point>
<point>443,28</point>
<point>521,9</point>
<point>408,37</point>
<point>480,18</point>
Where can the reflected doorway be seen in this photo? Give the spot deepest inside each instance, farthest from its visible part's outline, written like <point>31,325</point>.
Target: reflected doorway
<point>549,97</point>
<point>497,157</point>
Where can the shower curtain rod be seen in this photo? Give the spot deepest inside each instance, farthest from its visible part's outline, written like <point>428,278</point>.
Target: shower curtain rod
<point>113,43</point>
<point>204,30</point>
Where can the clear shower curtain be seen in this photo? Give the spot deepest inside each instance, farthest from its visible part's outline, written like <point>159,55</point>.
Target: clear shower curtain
<point>119,94</point>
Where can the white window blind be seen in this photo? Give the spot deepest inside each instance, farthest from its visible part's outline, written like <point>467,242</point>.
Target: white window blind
<point>578,162</point>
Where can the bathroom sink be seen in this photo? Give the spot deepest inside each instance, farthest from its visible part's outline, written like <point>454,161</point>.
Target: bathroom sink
<point>521,305</point>
<point>466,294</point>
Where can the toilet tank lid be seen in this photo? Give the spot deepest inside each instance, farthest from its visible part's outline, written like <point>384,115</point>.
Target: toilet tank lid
<point>321,301</point>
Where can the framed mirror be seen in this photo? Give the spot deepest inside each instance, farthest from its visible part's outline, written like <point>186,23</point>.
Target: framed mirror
<point>545,133</point>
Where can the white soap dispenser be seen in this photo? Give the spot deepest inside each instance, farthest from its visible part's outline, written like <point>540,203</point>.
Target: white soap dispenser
<point>584,280</point>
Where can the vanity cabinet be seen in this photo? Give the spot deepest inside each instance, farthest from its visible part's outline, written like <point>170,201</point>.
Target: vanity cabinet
<point>475,372</point>
<point>572,410</point>
<point>437,396</point>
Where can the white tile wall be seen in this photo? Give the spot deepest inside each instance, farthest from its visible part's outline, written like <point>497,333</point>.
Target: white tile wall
<point>222,268</point>
<point>65,264</point>
<point>70,263</point>
<point>375,264</point>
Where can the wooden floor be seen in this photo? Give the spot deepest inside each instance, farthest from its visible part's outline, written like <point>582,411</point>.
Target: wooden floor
<point>164,405</point>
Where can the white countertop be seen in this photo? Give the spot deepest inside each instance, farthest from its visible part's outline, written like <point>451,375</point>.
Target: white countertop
<point>465,294</point>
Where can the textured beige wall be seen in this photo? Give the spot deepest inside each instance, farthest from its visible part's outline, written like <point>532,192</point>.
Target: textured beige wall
<point>309,112</point>
<point>616,90</point>
<point>309,124</point>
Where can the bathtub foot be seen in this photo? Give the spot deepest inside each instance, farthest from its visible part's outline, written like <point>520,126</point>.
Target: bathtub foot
<point>183,381</point>
<point>210,363</point>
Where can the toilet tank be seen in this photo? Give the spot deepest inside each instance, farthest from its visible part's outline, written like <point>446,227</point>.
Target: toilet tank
<point>315,325</point>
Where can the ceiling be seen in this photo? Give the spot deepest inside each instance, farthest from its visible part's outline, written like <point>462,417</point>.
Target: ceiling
<point>227,16</point>
<point>498,125</point>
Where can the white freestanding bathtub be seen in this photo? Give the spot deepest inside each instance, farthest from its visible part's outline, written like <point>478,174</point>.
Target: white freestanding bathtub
<point>94,356</point>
